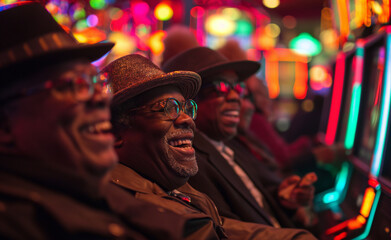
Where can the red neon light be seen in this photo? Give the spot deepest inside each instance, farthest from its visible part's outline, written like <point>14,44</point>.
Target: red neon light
<point>373,182</point>
<point>336,99</point>
<point>340,236</point>
<point>300,87</point>
<point>337,228</point>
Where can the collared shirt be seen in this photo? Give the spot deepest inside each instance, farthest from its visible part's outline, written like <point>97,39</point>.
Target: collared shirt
<point>228,155</point>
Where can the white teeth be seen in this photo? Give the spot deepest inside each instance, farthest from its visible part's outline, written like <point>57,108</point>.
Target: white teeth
<point>232,113</point>
<point>186,142</point>
<point>99,127</point>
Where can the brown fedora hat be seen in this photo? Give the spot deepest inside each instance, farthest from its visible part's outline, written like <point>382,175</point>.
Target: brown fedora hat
<point>134,74</point>
<point>32,39</point>
<point>207,62</point>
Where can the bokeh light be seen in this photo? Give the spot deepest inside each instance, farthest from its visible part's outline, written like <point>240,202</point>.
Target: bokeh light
<point>244,28</point>
<point>305,44</point>
<point>155,42</point>
<point>271,3</point>
<point>92,20</point>
<point>272,30</point>
<point>219,25</point>
<point>98,4</point>
<point>289,22</point>
<point>307,105</point>
<point>140,9</point>
<point>163,12</point>
<point>232,13</point>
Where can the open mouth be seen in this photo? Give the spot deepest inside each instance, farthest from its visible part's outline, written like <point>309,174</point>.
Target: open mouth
<point>97,127</point>
<point>98,134</point>
<point>183,146</point>
<point>231,113</point>
<point>181,143</point>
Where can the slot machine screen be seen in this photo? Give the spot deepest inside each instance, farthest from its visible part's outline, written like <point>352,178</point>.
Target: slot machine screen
<point>346,97</point>
<point>372,93</point>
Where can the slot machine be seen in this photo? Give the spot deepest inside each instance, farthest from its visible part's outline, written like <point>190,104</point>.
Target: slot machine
<point>363,132</point>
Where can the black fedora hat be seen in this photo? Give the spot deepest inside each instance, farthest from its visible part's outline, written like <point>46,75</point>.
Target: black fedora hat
<point>134,74</point>
<point>207,62</point>
<point>31,39</point>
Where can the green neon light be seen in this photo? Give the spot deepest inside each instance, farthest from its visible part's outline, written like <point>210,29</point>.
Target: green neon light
<point>342,177</point>
<point>371,216</point>
<point>384,116</point>
<point>331,197</point>
<point>352,122</point>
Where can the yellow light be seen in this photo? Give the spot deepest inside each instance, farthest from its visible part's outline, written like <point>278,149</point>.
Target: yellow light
<point>231,13</point>
<point>271,3</point>
<point>219,25</point>
<point>124,44</point>
<point>272,30</point>
<point>163,12</point>
<point>366,206</point>
<point>155,42</point>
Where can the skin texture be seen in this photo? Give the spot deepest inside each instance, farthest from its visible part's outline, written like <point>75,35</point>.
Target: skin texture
<point>147,145</point>
<point>51,125</point>
<point>218,116</point>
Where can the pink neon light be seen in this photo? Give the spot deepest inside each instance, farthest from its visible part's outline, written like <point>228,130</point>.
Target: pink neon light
<point>336,99</point>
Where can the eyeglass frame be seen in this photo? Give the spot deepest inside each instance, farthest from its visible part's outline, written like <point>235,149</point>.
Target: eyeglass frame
<point>214,84</point>
<point>51,84</point>
<point>181,107</point>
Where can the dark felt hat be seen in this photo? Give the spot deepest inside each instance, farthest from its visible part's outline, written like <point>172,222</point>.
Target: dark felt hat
<point>31,39</point>
<point>207,62</point>
<point>134,74</point>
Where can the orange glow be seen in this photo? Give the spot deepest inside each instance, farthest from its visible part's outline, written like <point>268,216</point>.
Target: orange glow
<point>301,76</point>
<point>343,19</point>
<point>273,57</point>
<point>366,206</point>
<point>361,219</point>
<point>354,224</point>
<point>155,42</point>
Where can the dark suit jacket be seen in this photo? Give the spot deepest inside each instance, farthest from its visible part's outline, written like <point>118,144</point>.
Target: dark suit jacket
<point>219,181</point>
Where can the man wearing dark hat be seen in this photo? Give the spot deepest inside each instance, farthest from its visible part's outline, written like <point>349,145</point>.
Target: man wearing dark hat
<point>153,120</point>
<point>241,186</point>
<point>55,145</point>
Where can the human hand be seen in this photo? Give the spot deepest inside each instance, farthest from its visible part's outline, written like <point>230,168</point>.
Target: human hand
<point>330,157</point>
<point>294,191</point>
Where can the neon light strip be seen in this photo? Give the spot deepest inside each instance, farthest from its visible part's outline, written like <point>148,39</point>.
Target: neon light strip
<point>356,97</point>
<point>352,122</point>
<point>343,19</point>
<point>301,77</point>
<point>368,226</point>
<point>336,99</point>
<point>384,114</point>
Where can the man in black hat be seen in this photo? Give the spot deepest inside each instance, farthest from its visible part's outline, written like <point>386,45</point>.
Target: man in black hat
<point>241,186</point>
<point>55,145</point>
<point>153,120</point>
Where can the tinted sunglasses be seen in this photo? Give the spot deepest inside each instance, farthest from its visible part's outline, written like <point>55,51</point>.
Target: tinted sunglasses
<point>224,88</point>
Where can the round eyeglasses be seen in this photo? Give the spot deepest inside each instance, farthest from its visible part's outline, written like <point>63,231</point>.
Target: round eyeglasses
<point>172,108</point>
<point>82,87</point>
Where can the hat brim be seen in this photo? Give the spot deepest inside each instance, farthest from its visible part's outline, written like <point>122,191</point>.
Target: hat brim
<point>189,84</point>
<point>90,52</point>
<point>244,69</point>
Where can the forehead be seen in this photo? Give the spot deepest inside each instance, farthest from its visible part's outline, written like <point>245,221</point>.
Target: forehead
<point>227,76</point>
<point>159,93</point>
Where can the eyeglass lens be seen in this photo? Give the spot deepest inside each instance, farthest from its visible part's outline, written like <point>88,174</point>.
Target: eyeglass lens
<point>225,88</point>
<point>173,108</point>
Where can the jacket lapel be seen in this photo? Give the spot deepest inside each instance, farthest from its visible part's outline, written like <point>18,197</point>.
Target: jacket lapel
<point>221,165</point>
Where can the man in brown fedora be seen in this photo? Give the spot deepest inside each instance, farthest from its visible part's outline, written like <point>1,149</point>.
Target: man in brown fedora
<point>55,145</point>
<point>241,186</point>
<point>153,121</point>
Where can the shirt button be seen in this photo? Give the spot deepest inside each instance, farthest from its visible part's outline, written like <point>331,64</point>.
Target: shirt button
<point>160,209</point>
<point>116,230</point>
